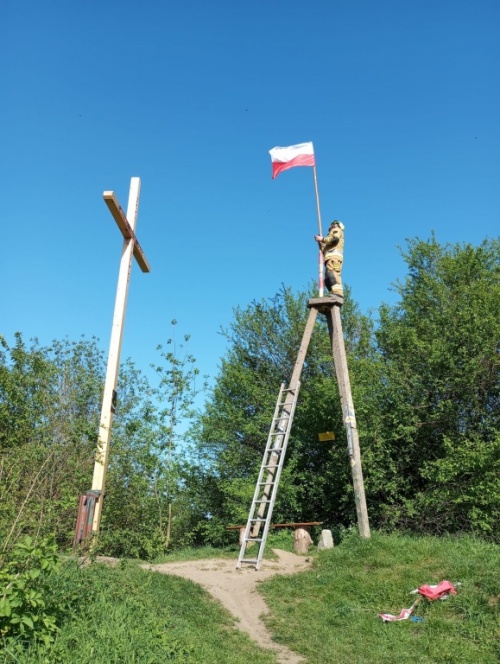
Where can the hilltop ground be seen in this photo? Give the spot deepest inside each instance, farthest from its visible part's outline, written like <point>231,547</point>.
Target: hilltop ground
<point>237,590</point>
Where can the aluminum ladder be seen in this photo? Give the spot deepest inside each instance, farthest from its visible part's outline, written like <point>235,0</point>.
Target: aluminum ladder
<point>266,488</point>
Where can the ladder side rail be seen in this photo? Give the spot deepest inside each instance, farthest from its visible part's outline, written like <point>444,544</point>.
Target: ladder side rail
<point>259,479</point>
<point>291,402</point>
<point>265,510</point>
<point>275,452</point>
<point>274,490</point>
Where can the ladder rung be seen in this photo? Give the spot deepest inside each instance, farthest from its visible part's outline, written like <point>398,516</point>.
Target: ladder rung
<point>253,539</point>
<point>265,483</point>
<point>262,500</point>
<point>258,519</point>
<point>248,560</point>
<point>271,465</point>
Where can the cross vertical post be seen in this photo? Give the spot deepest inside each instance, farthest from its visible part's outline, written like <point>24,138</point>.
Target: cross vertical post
<point>131,248</point>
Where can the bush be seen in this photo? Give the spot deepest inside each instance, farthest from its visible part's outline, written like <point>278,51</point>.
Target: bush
<point>25,614</point>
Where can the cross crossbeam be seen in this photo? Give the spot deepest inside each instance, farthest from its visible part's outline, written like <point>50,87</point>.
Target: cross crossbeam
<point>126,229</point>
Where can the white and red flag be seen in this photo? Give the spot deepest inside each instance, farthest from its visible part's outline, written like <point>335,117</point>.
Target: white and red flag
<point>294,155</point>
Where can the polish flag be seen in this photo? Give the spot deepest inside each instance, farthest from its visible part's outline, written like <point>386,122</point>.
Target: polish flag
<point>294,155</point>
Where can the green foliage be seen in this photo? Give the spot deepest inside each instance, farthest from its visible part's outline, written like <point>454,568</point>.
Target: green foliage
<point>425,379</point>
<point>146,510</point>
<point>49,409</point>
<point>425,382</point>
<point>438,390</point>
<point>465,491</point>
<point>262,347</point>
<point>25,613</point>
<point>126,614</point>
<point>50,401</point>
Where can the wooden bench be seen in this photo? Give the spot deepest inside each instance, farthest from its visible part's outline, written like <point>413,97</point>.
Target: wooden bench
<point>301,537</point>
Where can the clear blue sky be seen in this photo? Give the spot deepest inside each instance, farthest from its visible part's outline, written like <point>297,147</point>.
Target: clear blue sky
<point>401,101</point>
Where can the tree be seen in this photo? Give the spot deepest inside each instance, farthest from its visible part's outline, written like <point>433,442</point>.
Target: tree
<point>438,392</point>
<point>263,342</point>
<point>49,404</point>
<point>179,386</point>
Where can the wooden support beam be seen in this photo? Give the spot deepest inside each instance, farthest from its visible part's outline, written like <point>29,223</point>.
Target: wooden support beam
<point>348,415</point>
<point>294,380</point>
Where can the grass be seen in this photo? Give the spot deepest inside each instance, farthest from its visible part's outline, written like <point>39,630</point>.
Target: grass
<point>330,613</point>
<point>126,615</point>
<point>198,553</point>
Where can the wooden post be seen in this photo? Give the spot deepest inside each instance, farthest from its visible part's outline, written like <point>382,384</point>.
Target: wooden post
<point>131,247</point>
<point>294,380</point>
<point>340,361</point>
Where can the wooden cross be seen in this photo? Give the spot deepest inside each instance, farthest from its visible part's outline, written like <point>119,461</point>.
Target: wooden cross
<point>131,247</point>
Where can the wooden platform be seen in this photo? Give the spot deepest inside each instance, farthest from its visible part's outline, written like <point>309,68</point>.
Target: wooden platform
<point>324,304</point>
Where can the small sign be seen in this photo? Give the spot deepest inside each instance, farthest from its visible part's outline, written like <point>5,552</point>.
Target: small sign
<point>326,436</point>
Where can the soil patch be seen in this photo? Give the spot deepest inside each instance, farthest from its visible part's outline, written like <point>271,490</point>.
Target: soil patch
<point>237,590</point>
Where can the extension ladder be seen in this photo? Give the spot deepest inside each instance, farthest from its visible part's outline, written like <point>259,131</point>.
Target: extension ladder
<point>266,488</point>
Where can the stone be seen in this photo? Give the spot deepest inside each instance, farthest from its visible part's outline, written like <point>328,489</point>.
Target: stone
<point>325,540</point>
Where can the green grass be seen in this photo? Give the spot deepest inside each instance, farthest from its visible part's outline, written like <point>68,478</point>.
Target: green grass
<point>330,613</point>
<point>126,615</point>
<point>198,553</point>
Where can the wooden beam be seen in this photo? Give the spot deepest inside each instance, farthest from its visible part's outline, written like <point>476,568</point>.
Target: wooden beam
<point>129,248</point>
<point>126,229</point>
<point>349,417</point>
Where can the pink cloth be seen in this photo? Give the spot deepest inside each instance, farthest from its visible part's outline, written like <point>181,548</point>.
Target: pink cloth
<point>436,592</point>
<point>441,591</point>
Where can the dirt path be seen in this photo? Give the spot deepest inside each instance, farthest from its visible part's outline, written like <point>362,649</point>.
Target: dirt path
<point>237,590</point>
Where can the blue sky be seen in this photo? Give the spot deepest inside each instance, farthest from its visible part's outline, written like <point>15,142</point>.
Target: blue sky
<point>401,101</point>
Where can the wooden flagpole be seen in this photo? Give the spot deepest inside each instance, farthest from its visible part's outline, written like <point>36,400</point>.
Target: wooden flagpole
<point>320,254</point>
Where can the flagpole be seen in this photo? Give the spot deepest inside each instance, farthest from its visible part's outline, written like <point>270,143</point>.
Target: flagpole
<point>320,255</point>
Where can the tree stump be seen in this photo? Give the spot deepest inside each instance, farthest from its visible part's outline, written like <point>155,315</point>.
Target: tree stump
<point>302,540</point>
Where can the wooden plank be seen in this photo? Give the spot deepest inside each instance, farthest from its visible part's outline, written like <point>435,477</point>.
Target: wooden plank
<point>118,214</point>
<point>324,304</point>
<point>283,525</point>
<point>126,229</point>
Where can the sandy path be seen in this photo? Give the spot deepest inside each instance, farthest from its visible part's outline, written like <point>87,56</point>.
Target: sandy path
<point>237,590</point>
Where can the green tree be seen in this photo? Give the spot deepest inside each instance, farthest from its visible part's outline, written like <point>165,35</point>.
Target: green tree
<point>146,506</point>
<point>48,421</point>
<point>434,430</point>
<point>263,341</point>
<point>180,384</point>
